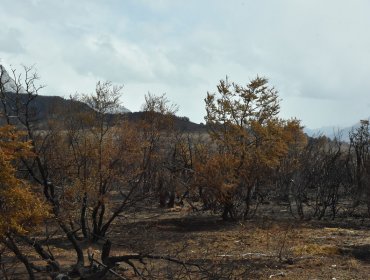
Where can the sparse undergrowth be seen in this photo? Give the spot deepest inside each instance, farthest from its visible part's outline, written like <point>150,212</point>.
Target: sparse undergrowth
<point>257,249</point>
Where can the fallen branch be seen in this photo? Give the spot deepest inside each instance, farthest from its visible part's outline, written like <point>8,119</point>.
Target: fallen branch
<point>281,274</point>
<point>111,261</point>
<point>109,269</point>
<point>246,254</point>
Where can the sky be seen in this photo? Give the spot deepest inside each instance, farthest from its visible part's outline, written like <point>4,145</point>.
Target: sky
<point>315,53</point>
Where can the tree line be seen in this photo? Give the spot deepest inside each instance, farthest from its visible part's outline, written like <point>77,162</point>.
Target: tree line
<point>79,172</point>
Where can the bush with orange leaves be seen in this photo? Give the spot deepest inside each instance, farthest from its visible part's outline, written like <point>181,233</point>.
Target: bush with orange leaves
<point>20,208</point>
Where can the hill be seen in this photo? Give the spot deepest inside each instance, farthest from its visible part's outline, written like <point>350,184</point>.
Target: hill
<point>43,108</point>
<point>332,131</point>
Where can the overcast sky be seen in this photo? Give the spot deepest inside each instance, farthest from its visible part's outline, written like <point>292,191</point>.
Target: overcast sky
<point>316,53</point>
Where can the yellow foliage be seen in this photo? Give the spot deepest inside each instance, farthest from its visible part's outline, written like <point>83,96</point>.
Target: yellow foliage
<point>20,209</point>
<point>316,249</point>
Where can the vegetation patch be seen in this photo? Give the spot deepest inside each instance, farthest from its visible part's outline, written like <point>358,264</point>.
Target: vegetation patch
<point>316,249</point>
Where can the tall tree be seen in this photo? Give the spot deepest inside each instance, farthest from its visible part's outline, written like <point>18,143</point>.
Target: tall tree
<point>360,148</point>
<point>245,127</point>
<point>21,210</point>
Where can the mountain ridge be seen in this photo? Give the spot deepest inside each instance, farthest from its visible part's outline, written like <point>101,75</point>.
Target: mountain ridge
<point>333,131</point>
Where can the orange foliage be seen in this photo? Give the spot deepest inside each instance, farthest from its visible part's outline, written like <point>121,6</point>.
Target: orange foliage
<point>20,209</point>
<point>250,139</point>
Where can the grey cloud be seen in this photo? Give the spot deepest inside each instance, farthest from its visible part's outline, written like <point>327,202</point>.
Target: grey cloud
<point>312,51</point>
<point>10,41</point>
<point>101,58</point>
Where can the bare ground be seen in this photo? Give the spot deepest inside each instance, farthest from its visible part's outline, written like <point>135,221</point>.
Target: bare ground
<point>261,248</point>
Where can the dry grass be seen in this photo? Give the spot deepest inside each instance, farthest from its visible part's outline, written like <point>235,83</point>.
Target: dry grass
<point>255,249</point>
<point>315,249</point>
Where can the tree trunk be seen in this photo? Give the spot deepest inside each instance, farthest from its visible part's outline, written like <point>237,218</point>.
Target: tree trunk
<point>228,212</point>
<point>83,216</point>
<point>9,242</point>
<point>247,203</point>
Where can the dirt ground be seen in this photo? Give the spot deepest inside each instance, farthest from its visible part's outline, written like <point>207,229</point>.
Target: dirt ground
<point>261,248</point>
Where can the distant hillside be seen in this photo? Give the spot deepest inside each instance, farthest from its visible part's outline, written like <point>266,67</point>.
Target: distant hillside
<point>180,123</point>
<point>332,131</point>
<point>44,108</point>
<point>7,81</point>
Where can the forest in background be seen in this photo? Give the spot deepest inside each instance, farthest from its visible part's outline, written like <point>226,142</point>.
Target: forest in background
<point>73,175</point>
